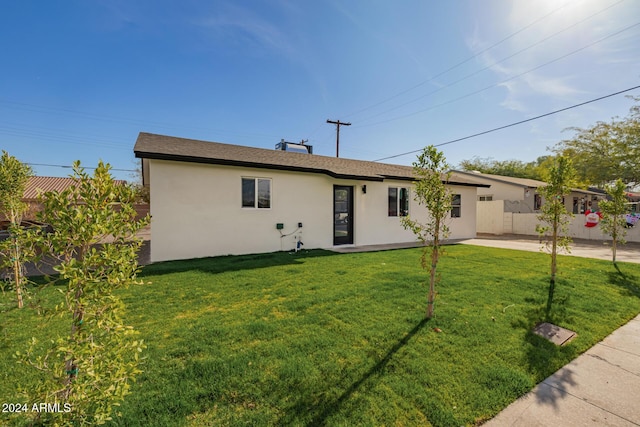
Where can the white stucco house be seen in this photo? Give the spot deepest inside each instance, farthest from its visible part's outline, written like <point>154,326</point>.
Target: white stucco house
<point>509,205</point>
<point>520,195</point>
<point>210,199</point>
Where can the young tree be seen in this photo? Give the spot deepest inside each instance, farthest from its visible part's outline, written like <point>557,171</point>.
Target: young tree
<point>613,221</point>
<point>431,192</point>
<point>93,238</point>
<point>554,212</point>
<point>13,181</point>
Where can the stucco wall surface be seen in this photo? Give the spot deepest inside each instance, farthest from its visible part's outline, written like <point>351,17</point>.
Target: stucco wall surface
<point>197,211</point>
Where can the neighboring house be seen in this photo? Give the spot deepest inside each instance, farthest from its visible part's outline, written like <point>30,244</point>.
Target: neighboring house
<point>37,185</point>
<point>40,184</point>
<point>511,205</point>
<point>520,195</point>
<point>211,199</point>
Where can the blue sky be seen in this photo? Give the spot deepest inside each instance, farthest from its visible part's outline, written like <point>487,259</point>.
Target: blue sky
<point>80,79</point>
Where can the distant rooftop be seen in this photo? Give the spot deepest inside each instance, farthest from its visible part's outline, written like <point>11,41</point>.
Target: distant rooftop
<point>41,184</point>
<point>523,182</point>
<point>476,176</point>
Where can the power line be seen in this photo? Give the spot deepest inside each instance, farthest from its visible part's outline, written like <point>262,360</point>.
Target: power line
<point>514,124</point>
<point>504,81</point>
<point>497,62</point>
<point>15,126</point>
<point>71,167</point>
<point>461,62</point>
<point>68,139</point>
<point>112,118</point>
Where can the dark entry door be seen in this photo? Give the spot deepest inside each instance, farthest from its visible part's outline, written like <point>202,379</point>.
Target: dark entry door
<point>342,215</point>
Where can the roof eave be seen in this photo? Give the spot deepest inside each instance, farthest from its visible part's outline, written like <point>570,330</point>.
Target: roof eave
<point>467,184</point>
<point>502,181</point>
<point>226,162</point>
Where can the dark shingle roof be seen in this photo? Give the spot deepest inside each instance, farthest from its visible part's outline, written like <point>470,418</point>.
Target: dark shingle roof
<point>522,182</point>
<point>152,146</point>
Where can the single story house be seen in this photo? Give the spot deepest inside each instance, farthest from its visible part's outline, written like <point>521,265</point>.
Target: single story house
<point>210,199</point>
<point>520,195</point>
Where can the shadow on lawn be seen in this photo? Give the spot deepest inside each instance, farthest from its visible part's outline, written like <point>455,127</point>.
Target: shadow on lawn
<point>215,265</point>
<point>211,265</point>
<point>326,410</point>
<point>626,281</point>
<point>543,357</point>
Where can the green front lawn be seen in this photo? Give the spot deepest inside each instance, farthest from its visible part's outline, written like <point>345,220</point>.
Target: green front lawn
<point>319,338</point>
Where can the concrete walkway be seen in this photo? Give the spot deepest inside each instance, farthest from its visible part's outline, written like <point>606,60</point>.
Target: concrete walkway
<point>599,388</point>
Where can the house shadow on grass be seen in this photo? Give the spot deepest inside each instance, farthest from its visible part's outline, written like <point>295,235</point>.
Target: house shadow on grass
<point>211,265</point>
<point>221,264</point>
<point>321,412</point>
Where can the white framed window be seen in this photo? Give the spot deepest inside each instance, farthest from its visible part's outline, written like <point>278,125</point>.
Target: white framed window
<point>398,201</point>
<point>256,193</point>
<point>456,205</point>
<point>485,198</point>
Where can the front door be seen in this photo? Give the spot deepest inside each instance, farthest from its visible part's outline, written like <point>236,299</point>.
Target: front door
<point>342,215</point>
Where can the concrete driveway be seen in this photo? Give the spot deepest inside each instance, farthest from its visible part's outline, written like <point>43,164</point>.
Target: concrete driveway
<point>581,248</point>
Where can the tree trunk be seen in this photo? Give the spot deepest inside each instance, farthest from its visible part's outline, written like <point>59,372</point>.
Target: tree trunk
<point>432,278</point>
<point>18,280</point>
<point>554,251</point>
<point>614,236</point>
<point>70,366</point>
<point>432,283</point>
<point>17,273</point>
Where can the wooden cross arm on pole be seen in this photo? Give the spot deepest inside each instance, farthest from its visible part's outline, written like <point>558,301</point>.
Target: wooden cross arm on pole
<point>338,123</point>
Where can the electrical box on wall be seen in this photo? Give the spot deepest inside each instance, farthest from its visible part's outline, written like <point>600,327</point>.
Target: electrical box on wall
<point>279,226</point>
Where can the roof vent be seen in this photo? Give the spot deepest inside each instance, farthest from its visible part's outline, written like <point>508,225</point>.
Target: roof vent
<point>294,147</point>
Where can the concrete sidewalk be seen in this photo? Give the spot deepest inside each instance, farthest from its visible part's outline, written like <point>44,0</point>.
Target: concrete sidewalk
<point>602,386</point>
<point>599,388</point>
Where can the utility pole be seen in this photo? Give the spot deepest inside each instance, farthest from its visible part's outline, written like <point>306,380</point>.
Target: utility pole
<point>338,123</point>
